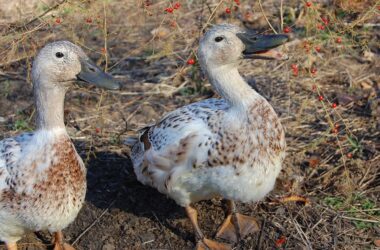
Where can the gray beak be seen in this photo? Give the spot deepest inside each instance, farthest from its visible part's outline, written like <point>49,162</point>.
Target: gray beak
<point>92,74</point>
<point>260,46</point>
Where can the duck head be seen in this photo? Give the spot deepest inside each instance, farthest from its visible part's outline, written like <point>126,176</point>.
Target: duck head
<point>226,44</point>
<point>62,63</point>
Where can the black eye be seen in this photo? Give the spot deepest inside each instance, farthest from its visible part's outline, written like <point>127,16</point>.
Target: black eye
<point>218,39</point>
<point>59,54</point>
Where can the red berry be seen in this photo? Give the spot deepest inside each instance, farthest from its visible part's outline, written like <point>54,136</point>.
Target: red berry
<point>177,5</point>
<point>320,27</point>
<point>335,130</point>
<point>280,241</point>
<point>325,20</point>
<point>97,130</point>
<point>336,125</point>
<point>169,10</point>
<point>191,61</point>
<point>349,155</point>
<point>228,10</point>
<point>287,30</point>
<point>313,71</point>
<point>88,20</point>
<point>294,66</point>
<point>318,49</point>
<point>58,20</point>
<point>237,2</point>
<point>334,105</point>
<point>321,98</point>
<point>295,69</point>
<point>308,4</point>
<point>338,40</point>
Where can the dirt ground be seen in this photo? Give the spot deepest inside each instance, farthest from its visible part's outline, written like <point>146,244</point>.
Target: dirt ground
<point>146,48</point>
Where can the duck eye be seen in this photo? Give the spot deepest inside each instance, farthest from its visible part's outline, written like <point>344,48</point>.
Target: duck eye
<point>218,39</point>
<point>59,54</point>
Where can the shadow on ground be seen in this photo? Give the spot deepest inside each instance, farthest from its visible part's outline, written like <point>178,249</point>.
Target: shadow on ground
<point>122,209</point>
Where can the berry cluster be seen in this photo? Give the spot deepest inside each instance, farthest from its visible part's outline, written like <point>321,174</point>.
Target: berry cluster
<point>171,9</point>
<point>228,9</point>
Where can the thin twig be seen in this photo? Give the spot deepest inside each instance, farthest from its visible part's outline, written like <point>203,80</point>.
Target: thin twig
<point>36,18</point>
<point>105,36</point>
<point>304,237</point>
<point>261,234</point>
<point>262,11</point>
<point>94,222</point>
<point>161,227</point>
<point>282,15</point>
<point>211,15</point>
<point>359,219</point>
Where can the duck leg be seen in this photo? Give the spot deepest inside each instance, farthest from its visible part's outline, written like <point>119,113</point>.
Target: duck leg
<point>236,226</point>
<point>11,246</point>
<point>203,243</point>
<point>59,244</point>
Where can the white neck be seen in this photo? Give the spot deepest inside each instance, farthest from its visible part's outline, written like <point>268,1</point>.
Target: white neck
<point>49,100</point>
<point>232,87</point>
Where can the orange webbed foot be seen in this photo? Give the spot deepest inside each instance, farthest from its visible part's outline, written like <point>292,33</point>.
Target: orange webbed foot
<point>59,244</point>
<point>64,246</point>
<point>11,246</point>
<point>237,226</point>
<point>206,244</point>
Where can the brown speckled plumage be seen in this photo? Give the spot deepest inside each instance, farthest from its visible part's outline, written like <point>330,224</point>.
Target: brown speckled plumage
<point>231,147</point>
<point>43,179</point>
<point>198,147</point>
<point>49,181</point>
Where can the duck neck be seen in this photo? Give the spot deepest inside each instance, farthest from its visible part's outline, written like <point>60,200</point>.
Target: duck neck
<point>49,101</point>
<point>232,87</point>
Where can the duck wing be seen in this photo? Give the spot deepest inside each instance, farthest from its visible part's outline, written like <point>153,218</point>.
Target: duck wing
<point>180,140</point>
<point>11,150</point>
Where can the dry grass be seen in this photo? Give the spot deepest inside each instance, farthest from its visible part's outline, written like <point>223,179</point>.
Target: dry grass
<point>147,50</point>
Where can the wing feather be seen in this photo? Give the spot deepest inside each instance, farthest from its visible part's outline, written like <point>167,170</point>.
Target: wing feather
<point>172,144</point>
<point>10,152</point>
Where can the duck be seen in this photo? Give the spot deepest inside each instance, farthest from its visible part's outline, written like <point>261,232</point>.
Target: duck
<point>42,177</point>
<point>230,147</point>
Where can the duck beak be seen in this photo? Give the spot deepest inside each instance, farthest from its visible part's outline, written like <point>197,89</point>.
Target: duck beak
<point>92,74</point>
<point>262,46</point>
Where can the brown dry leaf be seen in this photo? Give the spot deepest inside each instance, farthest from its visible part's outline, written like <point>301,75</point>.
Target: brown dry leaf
<point>160,32</point>
<point>345,99</point>
<point>368,56</point>
<point>377,242</point>
<point>314,161</point>
<point>295,198</point>
<point>366,85</point>
<point>326,178</point>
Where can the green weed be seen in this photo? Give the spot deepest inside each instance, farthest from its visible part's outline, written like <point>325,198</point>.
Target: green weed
<point>21,124</point>
<point>357,207</point>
